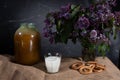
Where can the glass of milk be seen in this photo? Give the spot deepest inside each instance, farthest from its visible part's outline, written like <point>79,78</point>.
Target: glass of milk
<point>52,62</point>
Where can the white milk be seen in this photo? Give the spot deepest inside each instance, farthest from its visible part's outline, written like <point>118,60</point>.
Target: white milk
<point>52,63</point>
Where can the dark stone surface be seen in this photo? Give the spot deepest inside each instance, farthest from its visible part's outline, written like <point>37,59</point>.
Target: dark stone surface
<point>15,12</point>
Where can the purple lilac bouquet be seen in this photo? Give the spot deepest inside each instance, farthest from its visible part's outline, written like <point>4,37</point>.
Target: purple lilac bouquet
<point>91,25</point>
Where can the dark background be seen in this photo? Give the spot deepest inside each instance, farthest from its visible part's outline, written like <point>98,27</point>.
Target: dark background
<point>15,12</point>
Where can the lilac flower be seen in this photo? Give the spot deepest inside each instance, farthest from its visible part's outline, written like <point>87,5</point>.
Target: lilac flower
<point>105,16</point>
<point>55,15</point>
<point>64,12</point>
<point>66,8</point>
<point>74,34</point>
<point>46,32</point>
<point>103,8</point>
<point>83,33</point>
<point>51,39</point>
<point>117,17</point>
<point>93,34</point>
<point>82,23</point>
<point>102,17</point>
<point>64,15</point>
<point>111,2</point>
<point>48,23</point>
<point>94,19</point>
<point>82,9</point>
<point>103,39</point>
<point>90,25</point>
<point>92,7</point>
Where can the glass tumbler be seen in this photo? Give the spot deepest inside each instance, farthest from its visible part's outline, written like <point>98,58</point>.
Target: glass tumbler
<point>52,62</point>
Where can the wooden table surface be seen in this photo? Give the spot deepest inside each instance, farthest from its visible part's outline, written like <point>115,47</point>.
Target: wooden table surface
<point>13,71</point>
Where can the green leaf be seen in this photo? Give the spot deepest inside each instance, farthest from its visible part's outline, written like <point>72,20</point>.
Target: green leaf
<point>73,6</point>
<point>64,38</point>
<point>103,48</point>
<point>114,32</point>
<point>92,1</point>
<point>66,32</point>
<point>58,27</point>
<point>102,26</point>
<point>75,11</point>
<point>57,38</point>
<point>48,15</point>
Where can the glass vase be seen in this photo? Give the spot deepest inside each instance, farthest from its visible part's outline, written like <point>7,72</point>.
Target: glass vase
<point>88,54</point>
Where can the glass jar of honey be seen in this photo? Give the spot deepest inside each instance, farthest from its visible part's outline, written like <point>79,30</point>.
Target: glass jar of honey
<point>27,44</point>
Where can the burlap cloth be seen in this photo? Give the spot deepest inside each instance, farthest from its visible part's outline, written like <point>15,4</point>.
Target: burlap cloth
<point>13,71</point>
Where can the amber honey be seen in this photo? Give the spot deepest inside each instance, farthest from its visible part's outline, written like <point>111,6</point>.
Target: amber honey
<point>27,45</point>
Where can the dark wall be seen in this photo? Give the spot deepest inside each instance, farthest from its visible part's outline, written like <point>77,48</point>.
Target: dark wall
<point>15,12</point>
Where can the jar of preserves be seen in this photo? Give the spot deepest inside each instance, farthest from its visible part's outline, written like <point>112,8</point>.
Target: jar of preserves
<point>27,44</point>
